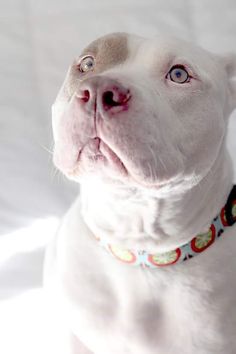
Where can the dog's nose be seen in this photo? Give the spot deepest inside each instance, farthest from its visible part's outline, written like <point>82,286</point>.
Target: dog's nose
<point>104,93</point>
<point>115,96</point>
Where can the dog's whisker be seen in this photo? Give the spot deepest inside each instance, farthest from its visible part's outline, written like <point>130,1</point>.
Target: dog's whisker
<point>162,163</point>
<point>155,157</point>
<point>150,171</point>
<point>55,173</point>
<point>155,163</point>
<point>46,149</point>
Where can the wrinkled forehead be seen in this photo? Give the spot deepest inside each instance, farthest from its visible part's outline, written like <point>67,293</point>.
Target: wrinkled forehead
<point>118,48</point>
<point>112,48</point>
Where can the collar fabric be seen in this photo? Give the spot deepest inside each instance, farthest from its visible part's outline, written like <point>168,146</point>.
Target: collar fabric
<point>226,218</point>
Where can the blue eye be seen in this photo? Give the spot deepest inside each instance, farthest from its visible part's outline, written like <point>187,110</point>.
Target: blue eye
<point>178,74</point>
<point>86,64</point>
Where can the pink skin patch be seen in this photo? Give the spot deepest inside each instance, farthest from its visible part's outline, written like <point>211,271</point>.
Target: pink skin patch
<point>116,100</point>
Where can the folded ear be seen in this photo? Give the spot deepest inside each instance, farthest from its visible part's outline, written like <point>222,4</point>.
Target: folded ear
<point>230,67</point>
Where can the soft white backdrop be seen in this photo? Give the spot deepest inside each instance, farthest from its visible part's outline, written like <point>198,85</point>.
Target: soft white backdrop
<point>38,41</point>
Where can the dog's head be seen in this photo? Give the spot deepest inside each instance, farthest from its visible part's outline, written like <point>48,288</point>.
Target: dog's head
<point>143,112</point>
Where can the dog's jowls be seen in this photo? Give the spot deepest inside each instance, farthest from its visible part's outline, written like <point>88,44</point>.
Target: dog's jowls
<point>141,125</point>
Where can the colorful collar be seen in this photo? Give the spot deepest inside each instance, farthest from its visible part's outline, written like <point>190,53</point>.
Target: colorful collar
<point>198,244</point>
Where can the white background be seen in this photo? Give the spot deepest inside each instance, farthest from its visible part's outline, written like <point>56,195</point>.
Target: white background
<point>38,40</point>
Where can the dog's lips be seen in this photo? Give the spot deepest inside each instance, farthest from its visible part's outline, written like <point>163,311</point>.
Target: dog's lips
<point>97,151</point>
<point>110,154</point>
<point>100,154</point>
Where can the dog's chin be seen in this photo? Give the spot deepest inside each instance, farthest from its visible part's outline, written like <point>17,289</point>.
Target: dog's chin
<point>105,165</point>
<point>114,172</point>
<point>109,170</point>
<point>97,159</point>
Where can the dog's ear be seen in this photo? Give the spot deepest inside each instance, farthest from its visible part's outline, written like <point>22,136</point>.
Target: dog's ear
<point>229,62</point>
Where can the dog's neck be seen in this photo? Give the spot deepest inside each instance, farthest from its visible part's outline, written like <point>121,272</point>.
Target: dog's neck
<point>142,219</point>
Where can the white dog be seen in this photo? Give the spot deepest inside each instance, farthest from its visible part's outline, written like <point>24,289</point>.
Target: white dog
<point>138,265</point>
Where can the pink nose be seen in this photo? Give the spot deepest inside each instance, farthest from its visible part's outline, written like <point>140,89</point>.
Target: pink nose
<point>105,93</point>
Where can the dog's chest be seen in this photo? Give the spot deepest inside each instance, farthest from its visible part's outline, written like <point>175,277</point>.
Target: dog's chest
<point>115,308</point>
<point>129,310</point>
<point>142,316</point>
<point>121,316</point>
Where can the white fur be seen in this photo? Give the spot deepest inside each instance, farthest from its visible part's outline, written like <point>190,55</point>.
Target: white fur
<point>172,142</point>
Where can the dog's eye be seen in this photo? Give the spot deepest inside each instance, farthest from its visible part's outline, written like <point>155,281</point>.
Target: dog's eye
<point>86,64</point>
<point>178,74</point>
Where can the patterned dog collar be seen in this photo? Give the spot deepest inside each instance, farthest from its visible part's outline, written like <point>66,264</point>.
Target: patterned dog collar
<point>198,244</point>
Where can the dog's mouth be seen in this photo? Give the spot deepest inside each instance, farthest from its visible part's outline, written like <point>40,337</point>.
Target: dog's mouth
<point>96,155</point>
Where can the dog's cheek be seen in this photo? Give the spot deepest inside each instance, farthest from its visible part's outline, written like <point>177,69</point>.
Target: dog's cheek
<point>198,130</point>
